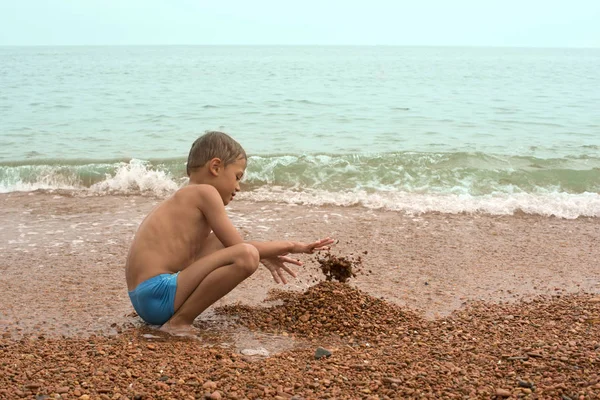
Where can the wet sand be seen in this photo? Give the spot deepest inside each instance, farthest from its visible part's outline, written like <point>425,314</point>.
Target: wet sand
<point>62,264</point>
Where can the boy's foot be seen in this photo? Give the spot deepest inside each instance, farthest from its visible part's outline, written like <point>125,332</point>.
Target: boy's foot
<point>180,330</point>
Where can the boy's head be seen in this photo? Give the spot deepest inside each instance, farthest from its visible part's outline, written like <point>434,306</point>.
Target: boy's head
<point>212,145</point>
<point>218,160</point>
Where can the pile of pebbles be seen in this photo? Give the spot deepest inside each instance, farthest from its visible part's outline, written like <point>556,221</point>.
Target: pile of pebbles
<point>328,308</point>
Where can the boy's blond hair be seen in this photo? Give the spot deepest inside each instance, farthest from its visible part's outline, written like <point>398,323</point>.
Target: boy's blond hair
<point>211,145</point>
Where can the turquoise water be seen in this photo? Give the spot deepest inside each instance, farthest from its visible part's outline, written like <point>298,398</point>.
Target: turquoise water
<point>461,129</point>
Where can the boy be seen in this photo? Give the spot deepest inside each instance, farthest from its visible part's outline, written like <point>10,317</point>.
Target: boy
<point>177,267</point>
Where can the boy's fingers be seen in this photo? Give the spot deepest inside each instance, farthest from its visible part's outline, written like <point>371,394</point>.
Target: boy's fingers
<point>322,248</point>
<point>289,271</point>
<point>290,260</point>
<point>275,277</point>
<point>323,242</point>
<point>281,276</point>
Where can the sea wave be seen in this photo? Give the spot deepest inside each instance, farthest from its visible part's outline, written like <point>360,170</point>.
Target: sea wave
<point>411,182</point>
<point>554,204</point>
<point>96,177</point>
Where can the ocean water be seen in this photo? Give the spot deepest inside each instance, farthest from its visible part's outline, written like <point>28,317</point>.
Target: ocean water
<point>491,130</point>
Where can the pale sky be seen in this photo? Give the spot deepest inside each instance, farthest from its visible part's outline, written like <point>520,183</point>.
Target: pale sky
<point>528,23</point>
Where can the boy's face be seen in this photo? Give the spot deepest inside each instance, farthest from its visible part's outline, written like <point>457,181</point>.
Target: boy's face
<point>228,181</point>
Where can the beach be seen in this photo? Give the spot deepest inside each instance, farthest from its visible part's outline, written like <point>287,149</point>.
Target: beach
<point>63,291</point>
<point>462,181</point>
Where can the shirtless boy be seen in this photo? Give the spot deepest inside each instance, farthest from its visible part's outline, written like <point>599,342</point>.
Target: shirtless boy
<point>187,254</point>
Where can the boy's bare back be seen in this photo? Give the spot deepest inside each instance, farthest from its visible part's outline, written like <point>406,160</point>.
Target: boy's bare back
<point>170,238</point>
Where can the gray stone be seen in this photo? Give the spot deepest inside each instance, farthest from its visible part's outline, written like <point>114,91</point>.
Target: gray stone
<point>321,352</point>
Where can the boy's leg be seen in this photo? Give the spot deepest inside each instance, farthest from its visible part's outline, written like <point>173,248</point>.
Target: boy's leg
<point>211,245</point>
<point>208,279</point>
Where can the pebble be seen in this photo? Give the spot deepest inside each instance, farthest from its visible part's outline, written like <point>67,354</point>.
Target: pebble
<point>32,385</point>
<point>503,393</point>
<point>305,317</point>
<point>525,384</point>
<point>209,385</point>
<point>321,352</point>
<point>261,351</point>
<point>595,300</point>
<point>150,336</point>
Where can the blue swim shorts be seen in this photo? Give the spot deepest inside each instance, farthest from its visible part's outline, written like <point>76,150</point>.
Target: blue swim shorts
<point>154,299</point>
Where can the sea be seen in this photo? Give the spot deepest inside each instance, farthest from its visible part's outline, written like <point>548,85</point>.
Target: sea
<point>412,129</point>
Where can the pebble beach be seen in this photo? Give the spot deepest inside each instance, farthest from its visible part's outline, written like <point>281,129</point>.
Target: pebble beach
<point>445,306</point>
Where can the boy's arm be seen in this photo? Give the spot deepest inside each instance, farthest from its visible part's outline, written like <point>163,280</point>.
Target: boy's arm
<point>213,209</point>
<point>272,249</point>
<point>279,248</point>
<point>211,206</point>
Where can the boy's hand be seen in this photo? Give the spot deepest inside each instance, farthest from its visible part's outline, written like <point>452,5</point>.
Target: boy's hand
<point>277,265</point>
<point>310,248</point>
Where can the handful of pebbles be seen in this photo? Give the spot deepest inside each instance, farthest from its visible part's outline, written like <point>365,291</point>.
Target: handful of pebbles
<point>339,268</point>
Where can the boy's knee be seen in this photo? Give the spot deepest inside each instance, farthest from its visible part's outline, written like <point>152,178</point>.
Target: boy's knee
<point>249,258</point>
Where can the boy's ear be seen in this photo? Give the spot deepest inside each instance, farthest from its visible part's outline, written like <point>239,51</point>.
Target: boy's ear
<point>214,166</point>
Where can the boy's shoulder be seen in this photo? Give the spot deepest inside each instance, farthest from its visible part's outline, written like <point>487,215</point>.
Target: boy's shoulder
<point>196,193</point>
<point>196,188</point>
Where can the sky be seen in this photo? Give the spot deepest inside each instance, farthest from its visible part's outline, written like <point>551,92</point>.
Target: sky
<point>522,23</point>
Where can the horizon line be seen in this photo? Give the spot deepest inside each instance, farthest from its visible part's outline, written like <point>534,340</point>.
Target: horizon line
<point>305,45</point>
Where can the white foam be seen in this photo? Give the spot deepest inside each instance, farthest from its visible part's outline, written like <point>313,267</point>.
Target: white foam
<point>30,187</point>
<point>562,205</point>
<point>406,194</point>
<point>136,177</point>
<point>47,178</point>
